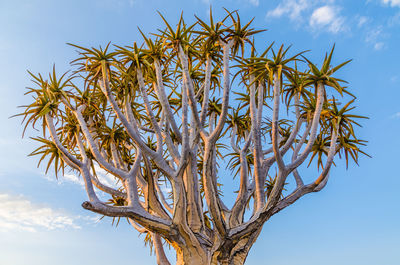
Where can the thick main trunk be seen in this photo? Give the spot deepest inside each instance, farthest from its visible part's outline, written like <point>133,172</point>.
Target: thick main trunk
<point>228,252</point>
<point>192,256</point>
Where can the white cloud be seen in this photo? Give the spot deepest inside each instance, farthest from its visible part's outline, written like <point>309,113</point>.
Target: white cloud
<point>103,176</point>
<point>379,45</point>
<point>361,21</point>
<point>254,2</point>
<point>392,2</point>
<point>327,18</point>
<point>374,37</point>
<point>394,20</point>
<point>293,8</point>
<point>396,115</point>
<point>74,179</point>
<point>18,213</point>
<point>374,34</point>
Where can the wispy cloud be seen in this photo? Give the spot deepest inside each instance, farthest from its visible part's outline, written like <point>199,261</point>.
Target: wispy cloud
<point>394,20</point>
<point>320,18</point>
<point>18,213</point>
<point>327,18</point>
<point>379,46</point>
<point>292,8</point>
<point>362,20</point>
<point>374,37</point>
<point>254,2</point>
<point>396,115</point>
<point>103,176</point>
<point>392,3</point>
<point>73,179</point>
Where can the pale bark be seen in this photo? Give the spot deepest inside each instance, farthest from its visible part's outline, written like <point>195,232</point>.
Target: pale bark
<point>159,249</point>
<point>221,236</point>
<point>162,97</point>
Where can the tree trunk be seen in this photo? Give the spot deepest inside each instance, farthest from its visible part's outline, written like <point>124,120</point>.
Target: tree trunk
<point>229,253</point>
<point>191,256</point>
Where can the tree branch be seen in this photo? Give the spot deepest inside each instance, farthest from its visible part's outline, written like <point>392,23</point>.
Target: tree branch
<point>160,90</point>
<point>225,97</point>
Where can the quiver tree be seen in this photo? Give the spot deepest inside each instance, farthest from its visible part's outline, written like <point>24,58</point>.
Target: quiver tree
<point>167,119</point>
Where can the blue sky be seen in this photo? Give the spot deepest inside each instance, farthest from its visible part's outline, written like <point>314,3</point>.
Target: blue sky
<point>355,220</point>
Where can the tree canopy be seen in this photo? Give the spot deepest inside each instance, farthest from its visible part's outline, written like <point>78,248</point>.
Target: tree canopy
<point>169,116</point>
